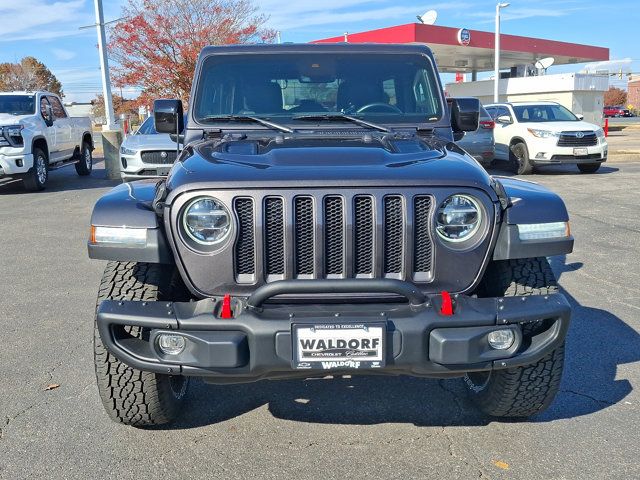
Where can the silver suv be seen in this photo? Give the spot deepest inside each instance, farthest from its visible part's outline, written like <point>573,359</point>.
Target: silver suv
<point>147,153</point>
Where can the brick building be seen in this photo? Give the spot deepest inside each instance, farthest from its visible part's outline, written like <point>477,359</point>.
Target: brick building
<point>633,96</point>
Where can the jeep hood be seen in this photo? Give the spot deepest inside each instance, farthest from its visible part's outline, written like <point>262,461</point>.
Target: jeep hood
<point>345,163</point>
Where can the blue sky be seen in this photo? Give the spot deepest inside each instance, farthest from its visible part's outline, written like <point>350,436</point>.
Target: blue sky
<point>48,29</point>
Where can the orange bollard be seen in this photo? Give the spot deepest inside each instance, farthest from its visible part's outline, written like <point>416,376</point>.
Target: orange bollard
<point>606,127</point>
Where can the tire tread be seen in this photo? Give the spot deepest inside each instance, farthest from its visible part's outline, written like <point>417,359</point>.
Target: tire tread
<point>528,390</point>
<point>131,396</point>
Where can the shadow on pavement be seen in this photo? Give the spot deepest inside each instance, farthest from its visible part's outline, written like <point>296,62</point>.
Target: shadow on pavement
<point>63,179</point>
<point>598,343</point>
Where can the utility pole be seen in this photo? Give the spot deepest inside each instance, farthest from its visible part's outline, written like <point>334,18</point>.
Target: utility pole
<point>496,77</point>
<point>104,67</point>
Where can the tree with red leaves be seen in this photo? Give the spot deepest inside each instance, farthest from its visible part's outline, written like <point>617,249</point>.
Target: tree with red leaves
<point>615,96</point>
<point>156,46</point>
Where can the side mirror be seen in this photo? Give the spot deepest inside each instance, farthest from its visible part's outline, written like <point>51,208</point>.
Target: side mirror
<point>504,120</point>
<point>168,116</point>
<point>465,114</point>
<point>580,116</point>
<point>48,119</point>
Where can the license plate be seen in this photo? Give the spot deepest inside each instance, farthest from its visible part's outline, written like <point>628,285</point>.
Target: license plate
<point>163,171</point>
<point>337,346</point>
<point>580,152</point>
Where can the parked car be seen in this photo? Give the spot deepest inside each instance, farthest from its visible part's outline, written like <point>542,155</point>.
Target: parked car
<point>288,244</point>
<point>37,135</point>
<point>534,134</point>
<point>617,112</point>
<point>147,153</point>
<point>480,144</point>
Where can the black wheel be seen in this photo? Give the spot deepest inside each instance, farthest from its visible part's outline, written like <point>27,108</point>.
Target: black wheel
<point>589,167</point>
<point>131,396</point>
<point>85,164</point>
<point>519,391</point>
<point>38,177</point>
<point>519,157</point>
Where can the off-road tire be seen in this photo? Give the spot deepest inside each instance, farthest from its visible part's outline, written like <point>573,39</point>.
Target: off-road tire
<point>519,158</point>
<point>589,167</point>
<point>84,165</point>
<point>131,396</point>
<point>36,180</point>
<point>519,391</point>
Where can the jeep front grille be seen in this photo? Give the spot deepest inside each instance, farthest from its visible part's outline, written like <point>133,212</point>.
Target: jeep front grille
<point>341,235</point>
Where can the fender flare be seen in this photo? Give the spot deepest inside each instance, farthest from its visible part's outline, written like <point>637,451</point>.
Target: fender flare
<point>130,205</point>
<point>46,143</point>
<point>530,203</point>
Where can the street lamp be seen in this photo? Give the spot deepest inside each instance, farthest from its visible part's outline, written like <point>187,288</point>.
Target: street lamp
<point>496,78</point>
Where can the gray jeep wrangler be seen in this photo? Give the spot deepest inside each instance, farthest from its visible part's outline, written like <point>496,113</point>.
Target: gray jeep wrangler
<point>321,220</point>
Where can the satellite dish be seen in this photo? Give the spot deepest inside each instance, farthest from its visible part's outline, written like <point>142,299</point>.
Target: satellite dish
<point>429,18</point>
<point>544,63</point>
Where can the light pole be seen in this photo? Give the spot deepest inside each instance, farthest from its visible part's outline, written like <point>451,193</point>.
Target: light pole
<point>104,66</point>
<point>496,78</point>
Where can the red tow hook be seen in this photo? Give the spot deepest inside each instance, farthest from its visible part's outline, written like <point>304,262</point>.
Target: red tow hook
<point>447,304</point>
<point>225,311</point>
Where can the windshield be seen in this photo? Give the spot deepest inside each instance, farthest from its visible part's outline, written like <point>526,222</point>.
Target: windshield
<point>543,113</point>
<point>17,104</point>
<point>148,127</point>
<point>381,88</point>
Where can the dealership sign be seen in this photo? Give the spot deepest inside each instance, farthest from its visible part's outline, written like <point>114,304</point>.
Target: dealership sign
<point>464,37</point>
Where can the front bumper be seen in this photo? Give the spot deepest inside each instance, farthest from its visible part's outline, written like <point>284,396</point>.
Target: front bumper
<point>547,152</point>
<point>14,162</point>
<point>257,342</point>
<point>133,168</point>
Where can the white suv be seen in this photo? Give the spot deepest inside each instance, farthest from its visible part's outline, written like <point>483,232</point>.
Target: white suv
<point>531,134</point>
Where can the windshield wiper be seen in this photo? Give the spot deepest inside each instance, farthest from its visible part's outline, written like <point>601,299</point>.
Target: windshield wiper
<point>246,118</point>
<point>335,117</point>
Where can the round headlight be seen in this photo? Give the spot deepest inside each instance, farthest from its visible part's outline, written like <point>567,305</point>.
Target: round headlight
<point>458,218</point>
<point>207,221</point>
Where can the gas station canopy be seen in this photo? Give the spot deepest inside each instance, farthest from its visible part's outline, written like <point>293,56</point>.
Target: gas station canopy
<point>463,50</point>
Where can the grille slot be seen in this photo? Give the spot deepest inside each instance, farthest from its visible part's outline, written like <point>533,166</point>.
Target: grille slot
<point>571,139</point>
<point>245,252</point>
<point>363,234</point>
<point>423,247</point>
<point>334,235</point>
<point>393,234</point>
<point>166,157</point>
<point>274,236</point>
<point>304,236</point>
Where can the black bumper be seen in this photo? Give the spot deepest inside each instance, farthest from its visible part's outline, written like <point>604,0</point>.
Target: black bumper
<point>257,342</point>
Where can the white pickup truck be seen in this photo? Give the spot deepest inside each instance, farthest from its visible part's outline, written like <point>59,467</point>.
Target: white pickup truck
<point>37,135</point>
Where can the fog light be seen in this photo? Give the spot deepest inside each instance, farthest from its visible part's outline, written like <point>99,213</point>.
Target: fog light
<point>501,339</point>
<point>171,344</point>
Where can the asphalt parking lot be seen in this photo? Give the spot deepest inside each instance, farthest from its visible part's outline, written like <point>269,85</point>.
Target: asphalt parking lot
<point>326,428</point>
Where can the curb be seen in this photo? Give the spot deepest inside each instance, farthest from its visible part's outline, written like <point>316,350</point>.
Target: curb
<point>623,156</point>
